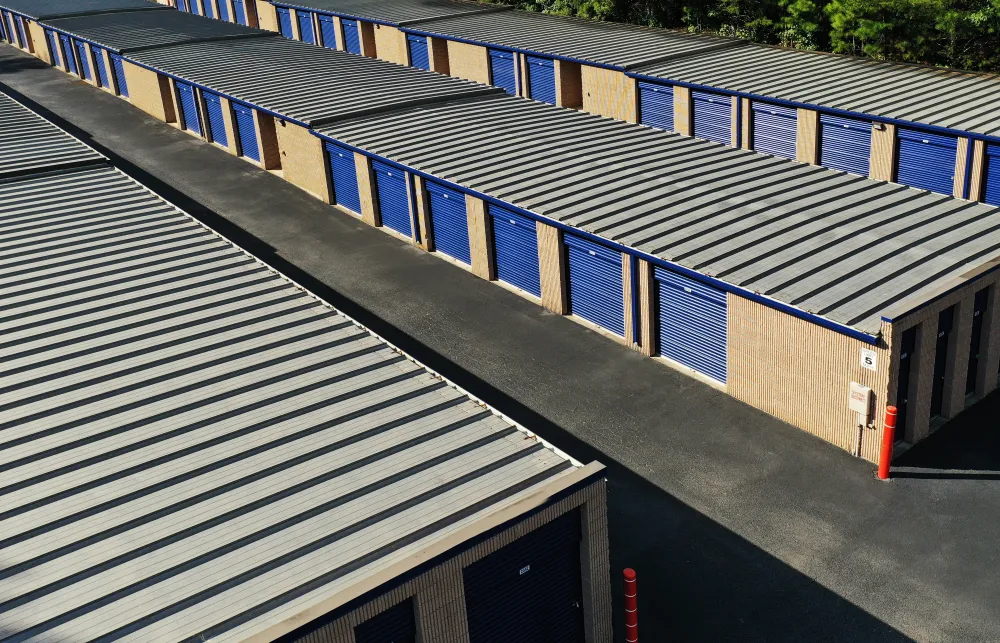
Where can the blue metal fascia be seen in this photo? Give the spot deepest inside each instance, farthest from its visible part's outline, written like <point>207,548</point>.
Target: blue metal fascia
<point>940,296</point>
<point>818,108</point>
<point>80,38</point>
<point>697,276</point>
<point>327,12</point>
<point>216,91</point>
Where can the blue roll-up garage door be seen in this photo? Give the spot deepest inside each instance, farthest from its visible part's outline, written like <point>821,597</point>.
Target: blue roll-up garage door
<point>775,129</point>
<point>393,198</point>
<point>515,246</point>
<point>285,22</point>
<point>502,70</point>
<point>713,117</point>
<point>691,323</point>
<point>529,591</point>
<point>209,6</point>
<point>66,46</point>
<point>118,67</point>
<point>927,160</point>
<point>182,5</point>
<point>101,68</point>
<point>595,283</point>
<point>53,42</point>
<point>216,119</point>
<point>419,56</point>
<point>845,144</point>
<point>656,105</point>
<point>344,174</point>
<point>83,59</point>
<point>189,108</point>
<point>223,10</point>
<point>246,131</point>
<point>449,221</point>
<point>240,12</point>
<point>352,36</point>
<point>8,23</point>
<point>542,79</point>
<point>306,30</point>
<point>327,32</point>
<point>992,188</point>
<point>21,35</point>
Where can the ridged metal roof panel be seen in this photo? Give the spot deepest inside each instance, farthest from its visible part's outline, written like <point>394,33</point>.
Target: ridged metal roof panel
<point>123,32</point>
<point>193,446</point>
<point>932,96</point>
<point>30,144</point>
<point>304,82</point>
<point>835,245</point>
<point>394,12</point>
<point>603,43</point>
<point>44,9</point>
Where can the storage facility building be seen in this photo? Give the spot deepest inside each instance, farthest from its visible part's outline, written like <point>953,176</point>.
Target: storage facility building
<point>199,449</point>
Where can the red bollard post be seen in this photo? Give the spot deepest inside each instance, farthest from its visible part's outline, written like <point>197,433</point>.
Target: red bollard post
<point>631,609</point>
<point>888,440</point>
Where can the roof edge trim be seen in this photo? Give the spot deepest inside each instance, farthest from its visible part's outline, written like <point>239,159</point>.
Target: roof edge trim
<point>246,36</point>
<point>913,305</point>
<point>486,90</point>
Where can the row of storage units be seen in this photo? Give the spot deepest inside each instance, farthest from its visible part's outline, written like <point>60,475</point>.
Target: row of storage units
<point>750,283</point>
<point>239,11</point>
<point>342,489</point>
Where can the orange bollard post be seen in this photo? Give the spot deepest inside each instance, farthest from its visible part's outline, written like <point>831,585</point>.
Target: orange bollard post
<point>888,440</point>
<point>631,609</point>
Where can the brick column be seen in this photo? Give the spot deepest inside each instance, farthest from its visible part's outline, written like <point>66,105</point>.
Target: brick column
<point>92,63</point>
<point>367,33</point>
<point>627,287</point>
<point>989,351</point>
<point>230,124</point>
<point>735,124</point>
<point>553,268</point>
<point>367,190</point>
<point>175,102</point>
<point>106,57</point>
<point>569,87</point>
<point>439,55</point>
<point>961,156</point>
<point>267,140</point>
<point>647,316</point>
<point>595,562</point>
<point>807,136</point>
<point>522,75</point>
<point>423,214</point>
<point>959,343</point>
<point>267,15</point>
<point>480,238</point>
<point>883,152</point>
<point>977,184</point>
<point>747,124</point>
<point>922,380</point>
<point>682,111</point>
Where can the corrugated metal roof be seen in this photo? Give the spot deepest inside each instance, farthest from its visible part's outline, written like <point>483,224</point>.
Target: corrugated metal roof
<point>833,244</point>
<point>395,12</point>
<point>132,31</point>
<point>30,144</point>
<point>303,82</point>
<point>602,43</point>
<point>928,95</point>
<point>43,9</point>
<point>195,447</point>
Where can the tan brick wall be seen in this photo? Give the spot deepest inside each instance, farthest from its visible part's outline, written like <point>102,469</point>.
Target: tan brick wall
<point>883,153</point>
<point>368,44</point>
<point>960,158</point>
<point>683,111</point>
<point>569,91</point>
<point>801,372</point>
<point>439,56</point>
<point>521,65</point>
<point>470,62</point>
<point>230,124</point>
<point>423,214</point>
<point>150,92</point>
<point>39,46</point>
<point>807,136</point>
<point>439,596</point>
<point>267,141</point>
<point>610,93</point>
<point>267,16</point>
<point>366,190</point>
<point>747,124</point>
<point>302,161</point>
<point>390,44</point>
<point>977,184</point>
<point>480,238</point>
<point>647,316</point>
<point>552,266</point>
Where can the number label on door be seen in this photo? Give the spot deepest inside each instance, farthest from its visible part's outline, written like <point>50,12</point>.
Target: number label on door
<point>524,570</point>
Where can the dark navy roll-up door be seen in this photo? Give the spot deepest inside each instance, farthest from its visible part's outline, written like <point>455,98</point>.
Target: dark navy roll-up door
<point>352,36</point>
<point>119,70</point>
<point>328,32</point>
<point>393,198</point>
<point>992,191</point>
<point>344,173</point>
<point>542,79</point>
<point>182,5</point>
<point>306,27</point>
<point>395,625</point>
<point>713,117</point>
<point>285,22</point>
<point>83,59</point>
<point>691,323</point>
<point>216,119</point>
<point>529,591</point>
<point>240,11</point>
<point>845,144</point>
<point>927,160</point>
<point>449,221</point>
<point>515,245</point>
<point>502,70</point>
<point>595,283</point>
<point>419,56</point>
<point>102,69</point>
<point>775,129</point>
<point>68,55</point>
<point>53,42</point>
<point>189,108</point>
<point>246,131</point>
<point>656,105</point>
